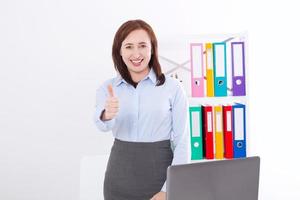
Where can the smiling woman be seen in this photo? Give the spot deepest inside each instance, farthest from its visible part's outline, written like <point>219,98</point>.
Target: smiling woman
<point>146,112</point>
<point>136,54</point>
<point>136,42</point>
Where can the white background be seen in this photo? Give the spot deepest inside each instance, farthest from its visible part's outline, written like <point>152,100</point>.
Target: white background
<point>55,53</point>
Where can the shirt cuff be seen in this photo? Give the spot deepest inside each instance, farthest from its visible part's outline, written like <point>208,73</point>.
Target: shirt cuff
<point>164,188</point>
<point>104,125</point>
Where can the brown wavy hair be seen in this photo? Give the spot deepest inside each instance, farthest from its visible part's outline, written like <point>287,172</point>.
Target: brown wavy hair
<point>124,30</point>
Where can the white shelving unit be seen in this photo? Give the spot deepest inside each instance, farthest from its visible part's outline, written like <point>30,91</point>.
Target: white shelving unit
<point>174,55</point>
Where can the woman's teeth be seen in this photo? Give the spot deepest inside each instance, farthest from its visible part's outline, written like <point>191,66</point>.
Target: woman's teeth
<point>136,62</point>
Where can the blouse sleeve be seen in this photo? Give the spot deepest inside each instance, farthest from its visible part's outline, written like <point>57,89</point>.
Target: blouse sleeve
<point>181,137</point>
<point>101,95</point>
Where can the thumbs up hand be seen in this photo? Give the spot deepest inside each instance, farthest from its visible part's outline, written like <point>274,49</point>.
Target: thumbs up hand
<point>112,105</point>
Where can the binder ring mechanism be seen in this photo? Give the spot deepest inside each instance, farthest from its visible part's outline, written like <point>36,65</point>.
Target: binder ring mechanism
<point>220,82</point>
<point>238,82</point>
<point>239,144</point>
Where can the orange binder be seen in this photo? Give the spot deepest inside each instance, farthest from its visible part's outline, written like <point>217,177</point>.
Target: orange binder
<point>219,143</point>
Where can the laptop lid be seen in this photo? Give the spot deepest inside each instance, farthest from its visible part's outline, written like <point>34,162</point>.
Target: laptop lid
<point>235,179</point>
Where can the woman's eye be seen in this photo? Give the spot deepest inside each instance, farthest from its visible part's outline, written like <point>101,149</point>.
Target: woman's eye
<point>143,45</point>
<point>128,47</point>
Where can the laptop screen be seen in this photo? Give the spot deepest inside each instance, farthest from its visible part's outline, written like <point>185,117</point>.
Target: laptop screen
<point>236,179</point>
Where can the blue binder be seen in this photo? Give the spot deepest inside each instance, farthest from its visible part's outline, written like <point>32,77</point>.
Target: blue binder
<point>239,130</point>
<point>220,69</point>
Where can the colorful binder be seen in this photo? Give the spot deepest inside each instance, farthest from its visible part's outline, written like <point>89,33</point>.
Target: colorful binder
<point>209,70</point>
<point>239,130</point>
<point>228,136</point>
<point>238,68</point>
<point>220,69</point>
<point>196,132</point>
<point>208,132</point>
<point>219,142</point>
<point>197,73</point>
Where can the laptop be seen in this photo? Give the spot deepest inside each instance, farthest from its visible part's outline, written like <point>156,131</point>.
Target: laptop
<point>235,179</point>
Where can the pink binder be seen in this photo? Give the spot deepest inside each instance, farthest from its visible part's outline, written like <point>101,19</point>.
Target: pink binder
<point>197,69</point>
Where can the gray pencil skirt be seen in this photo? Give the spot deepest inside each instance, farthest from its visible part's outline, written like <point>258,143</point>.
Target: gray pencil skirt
<point>136,170</point>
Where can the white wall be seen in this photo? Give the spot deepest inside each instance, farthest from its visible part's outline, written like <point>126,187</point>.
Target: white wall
<point>54,54</point>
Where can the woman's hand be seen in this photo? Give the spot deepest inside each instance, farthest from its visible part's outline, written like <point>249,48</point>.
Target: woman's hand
<point>159,196</point>
<point>111,107</point>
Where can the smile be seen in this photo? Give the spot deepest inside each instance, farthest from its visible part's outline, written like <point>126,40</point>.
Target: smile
<point>137,62</point>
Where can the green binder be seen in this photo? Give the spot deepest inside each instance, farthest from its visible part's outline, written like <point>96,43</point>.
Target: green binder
<point>196,132</point>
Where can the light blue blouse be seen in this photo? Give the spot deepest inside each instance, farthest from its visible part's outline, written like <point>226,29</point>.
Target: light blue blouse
<point>148,113</point>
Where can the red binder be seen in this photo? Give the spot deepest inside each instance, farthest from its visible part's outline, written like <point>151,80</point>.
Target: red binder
<point>208,133</point>
<point>227,127</point>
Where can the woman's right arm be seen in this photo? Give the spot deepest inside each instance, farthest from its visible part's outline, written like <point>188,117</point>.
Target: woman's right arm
<point>102,95</point>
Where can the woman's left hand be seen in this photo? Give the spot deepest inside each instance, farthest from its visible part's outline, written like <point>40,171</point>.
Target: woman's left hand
<point>159,196</point>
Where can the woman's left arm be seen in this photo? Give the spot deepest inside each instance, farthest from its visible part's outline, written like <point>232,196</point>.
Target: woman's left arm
<point>180,137</point>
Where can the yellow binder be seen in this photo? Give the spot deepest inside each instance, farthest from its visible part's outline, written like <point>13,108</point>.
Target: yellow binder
<point>209,70</point>
<point>219,142</point>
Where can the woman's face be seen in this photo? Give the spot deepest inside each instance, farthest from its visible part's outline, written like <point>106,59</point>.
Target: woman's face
<point>136,53</point>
